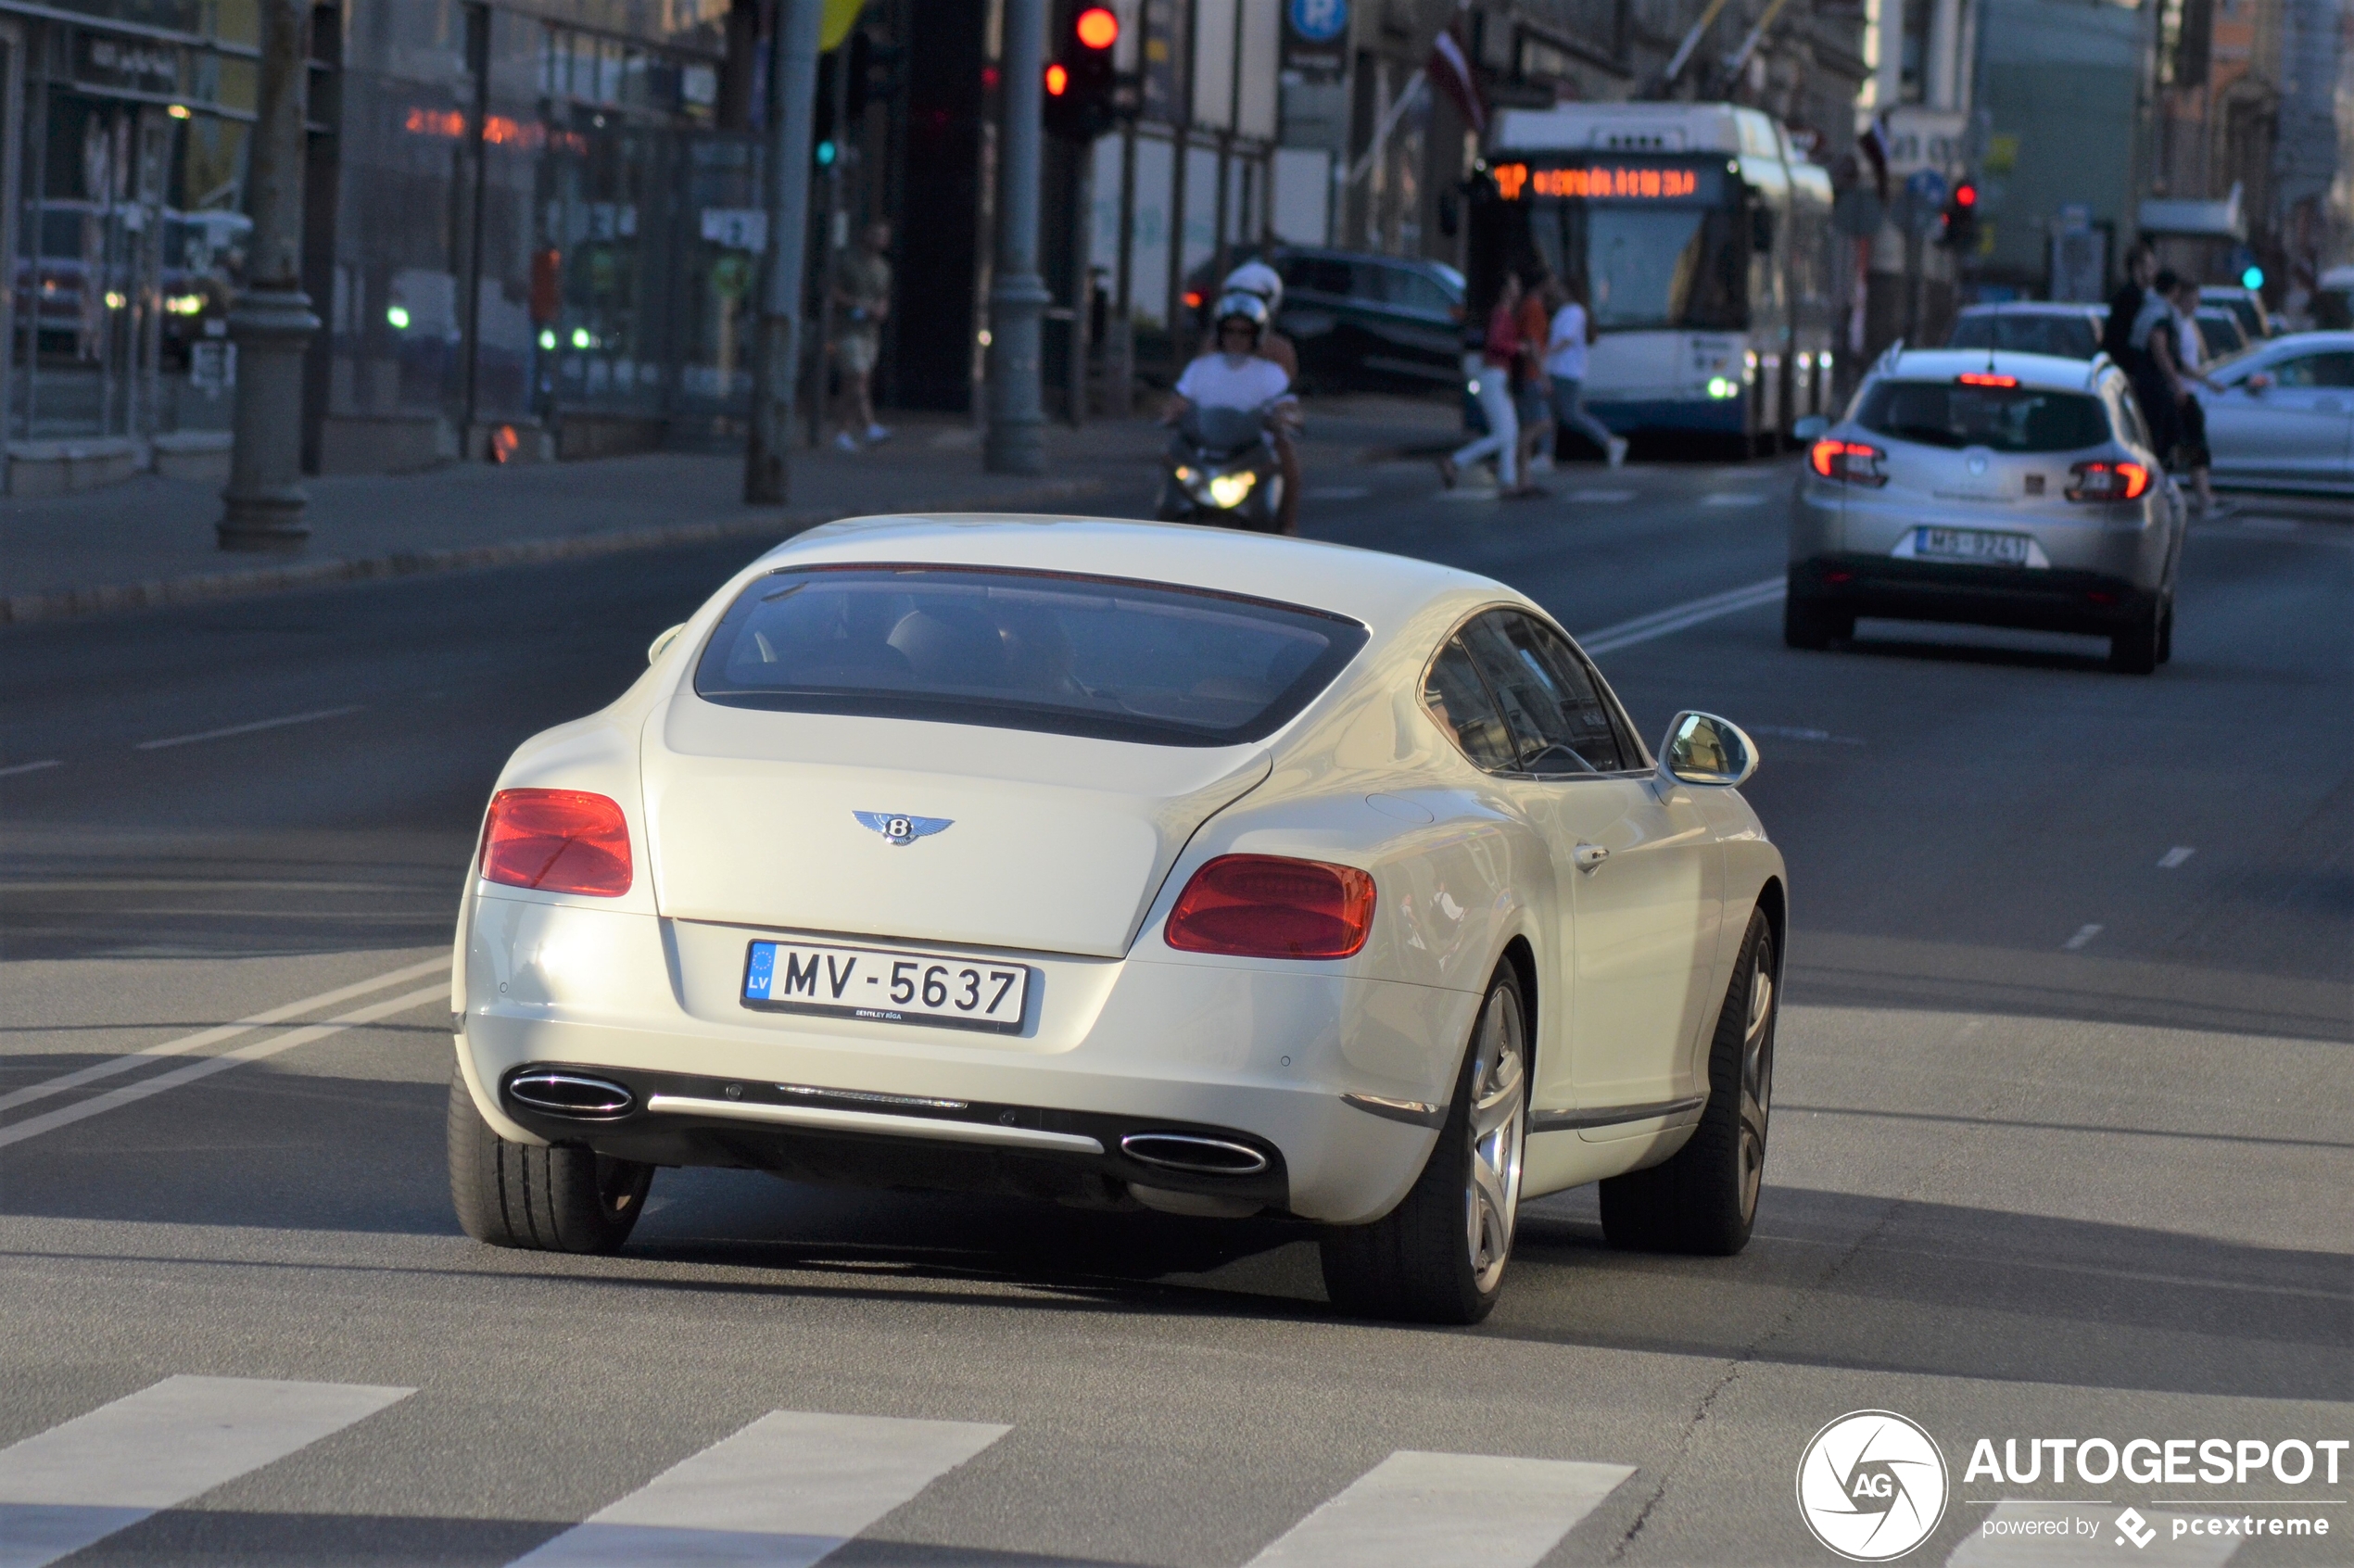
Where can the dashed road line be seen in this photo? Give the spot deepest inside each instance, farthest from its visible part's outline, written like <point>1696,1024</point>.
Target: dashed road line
<point>2084,934</point>
<point>783,1493</point>
<point>31,766</point>
<point>2175,857</point>
<point>1446,1511</point>
<point>1676,617</point>
<point>205,1067</point>
<point>247,729</point>
<point>214,1035</point>
<point>82,1481</point>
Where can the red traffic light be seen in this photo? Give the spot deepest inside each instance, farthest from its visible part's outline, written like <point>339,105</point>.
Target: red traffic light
<point>1058,80</point>
<point>1965,195</point>
<point>1096,27</point>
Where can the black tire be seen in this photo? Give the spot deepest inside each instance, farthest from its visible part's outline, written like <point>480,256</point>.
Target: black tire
<point>2133,646</point>
<point>1705,1199</point>
<point>562,1199</point>
<point>1419,1263</point>
<point>1814,624</point>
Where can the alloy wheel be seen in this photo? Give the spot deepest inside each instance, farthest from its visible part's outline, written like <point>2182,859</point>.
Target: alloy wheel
<point>1499,1131</point>
<point>1757,1075</point>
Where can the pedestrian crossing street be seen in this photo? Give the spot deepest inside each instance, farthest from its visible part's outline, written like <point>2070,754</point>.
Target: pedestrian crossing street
<point>795,1485</point>
<point>784,1492</point>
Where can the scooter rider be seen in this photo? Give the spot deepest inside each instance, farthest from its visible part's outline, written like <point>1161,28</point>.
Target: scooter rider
<point>1233,374</point>
<point>1256,277</point>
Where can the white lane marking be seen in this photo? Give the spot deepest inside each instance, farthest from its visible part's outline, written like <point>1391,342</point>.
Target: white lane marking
<point>2084,934</point>
<point>82,1481</point>
<point>1676,617</point>
<point>247,729</point>
<point>205,1067</point>
<point>202,1038</point>
<point>1446,1511</point>
<point>782,1493</point>
<point>2002,1539</point>
<point>1336,492</point>
<point>1731,498</point>
<point>1793,732</point>
<point>30,767</point>
<point>2175,856</point>
<point>1605,496</point>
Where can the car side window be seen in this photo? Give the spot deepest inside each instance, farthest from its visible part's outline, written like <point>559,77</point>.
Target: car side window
<point>1602,737</point>
<point>1411,290</point>
<point>1316,274</point>
<point>1458,699</point>
<point>2315,370</point>
<point>1558,726</point>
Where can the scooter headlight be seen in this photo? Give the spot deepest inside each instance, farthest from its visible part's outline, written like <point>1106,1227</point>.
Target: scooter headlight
<point>1230,490</point>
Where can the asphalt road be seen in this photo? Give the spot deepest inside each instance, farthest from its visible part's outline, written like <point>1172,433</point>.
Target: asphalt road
<point>2062,1145</point>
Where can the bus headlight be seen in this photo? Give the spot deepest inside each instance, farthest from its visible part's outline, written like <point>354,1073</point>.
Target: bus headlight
<point>1721,386</point>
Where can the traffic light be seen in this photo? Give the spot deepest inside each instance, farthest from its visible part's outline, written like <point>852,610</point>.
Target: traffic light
<point>1081,84</point>
<point>1958,227</point>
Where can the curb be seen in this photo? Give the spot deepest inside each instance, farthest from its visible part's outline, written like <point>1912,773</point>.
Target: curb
<point>113,598</point>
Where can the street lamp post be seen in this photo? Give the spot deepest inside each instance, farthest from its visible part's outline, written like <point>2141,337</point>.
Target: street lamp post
<point>1015,442</point>
<point>271,322</point>
<point>776,364</point>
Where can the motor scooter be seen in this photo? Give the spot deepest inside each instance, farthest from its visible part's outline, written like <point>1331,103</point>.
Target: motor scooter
<point>1220,468</point>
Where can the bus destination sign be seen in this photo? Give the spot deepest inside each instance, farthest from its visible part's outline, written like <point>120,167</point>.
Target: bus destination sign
<point>1610,182</point>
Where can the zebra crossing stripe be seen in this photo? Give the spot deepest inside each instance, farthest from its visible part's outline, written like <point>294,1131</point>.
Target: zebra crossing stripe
<point>82,1481</point>
<point>1999,1541</point>
<point>1446,1511</point>
<point>782,1493</point>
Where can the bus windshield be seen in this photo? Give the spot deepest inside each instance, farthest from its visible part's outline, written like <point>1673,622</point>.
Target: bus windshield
<point>1675,262</point>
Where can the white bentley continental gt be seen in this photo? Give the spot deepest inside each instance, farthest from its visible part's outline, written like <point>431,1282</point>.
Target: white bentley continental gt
<point>1126,864</point>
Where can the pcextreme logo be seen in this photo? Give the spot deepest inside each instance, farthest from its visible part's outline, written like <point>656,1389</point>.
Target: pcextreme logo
<point>1871,1486</point>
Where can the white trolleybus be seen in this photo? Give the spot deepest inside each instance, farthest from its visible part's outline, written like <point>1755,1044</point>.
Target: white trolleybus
<point>1700,240</point>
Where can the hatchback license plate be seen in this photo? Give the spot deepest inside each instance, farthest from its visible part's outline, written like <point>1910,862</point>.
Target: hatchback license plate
<point>1972,544</point>
<point>889,987</point>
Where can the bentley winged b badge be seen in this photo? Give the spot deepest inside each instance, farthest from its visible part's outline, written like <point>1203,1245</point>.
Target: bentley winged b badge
<point>901,830</point>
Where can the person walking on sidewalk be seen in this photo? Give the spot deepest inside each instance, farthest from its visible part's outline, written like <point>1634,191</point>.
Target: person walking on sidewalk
<point>1572,330</point>
<point>862,299</point>
<point>1532,399</point>
<point>1493,370</point>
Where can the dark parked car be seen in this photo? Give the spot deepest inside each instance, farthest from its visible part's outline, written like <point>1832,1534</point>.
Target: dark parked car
<point>1361,322</point>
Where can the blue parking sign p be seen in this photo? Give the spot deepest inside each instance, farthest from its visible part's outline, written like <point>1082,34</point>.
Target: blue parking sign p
<point>1319,22</point>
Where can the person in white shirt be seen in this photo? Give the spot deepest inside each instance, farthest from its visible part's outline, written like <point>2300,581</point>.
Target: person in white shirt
<point>2192,361</point>
<point>1565,364</point>
<point>1235,377</point>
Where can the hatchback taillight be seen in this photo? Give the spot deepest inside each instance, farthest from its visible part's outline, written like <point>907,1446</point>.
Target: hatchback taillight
<point>557,841</point>
<point>2108,481</point>
<point>1852,461</point>
<point>1268,907</point>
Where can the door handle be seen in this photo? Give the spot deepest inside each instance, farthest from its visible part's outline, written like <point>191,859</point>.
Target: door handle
<point>1588,857</point>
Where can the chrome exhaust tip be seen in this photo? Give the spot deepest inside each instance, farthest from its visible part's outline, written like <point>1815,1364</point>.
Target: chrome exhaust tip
<point>570,1094</point>
<point>1193,1153</point>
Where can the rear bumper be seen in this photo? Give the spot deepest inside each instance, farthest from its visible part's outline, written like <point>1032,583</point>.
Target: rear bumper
<point>2047,600</point>
<point>1259,1055</point>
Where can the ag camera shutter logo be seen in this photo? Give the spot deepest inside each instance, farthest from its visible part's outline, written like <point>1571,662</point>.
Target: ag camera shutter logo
<point>1872,1486</point>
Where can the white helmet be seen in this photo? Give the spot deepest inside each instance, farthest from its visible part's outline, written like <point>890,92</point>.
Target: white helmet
<point>1256,277</point>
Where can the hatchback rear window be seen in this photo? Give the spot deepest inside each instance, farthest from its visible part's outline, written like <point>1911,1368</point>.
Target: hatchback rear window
<point>1038,651</point>
<point>2008,419</point>
<point>2069,337</point>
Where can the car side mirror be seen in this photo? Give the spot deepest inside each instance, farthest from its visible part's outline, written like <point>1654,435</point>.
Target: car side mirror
<point>1811,429</point>
<point>1703,749</point>
<point>654,650</point>
<point>2259,383</point>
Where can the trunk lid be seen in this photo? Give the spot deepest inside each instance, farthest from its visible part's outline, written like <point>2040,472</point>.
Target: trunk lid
<point>1058,842</point>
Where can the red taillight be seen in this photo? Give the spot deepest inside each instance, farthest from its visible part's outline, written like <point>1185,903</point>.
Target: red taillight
<point>1266,907</point>
<point>1057,78</point>
<point>1852,461</point>
<point>557,841</point>
<point>1192,299</point>
<point>2108,481</point>
<point>1986,378</point>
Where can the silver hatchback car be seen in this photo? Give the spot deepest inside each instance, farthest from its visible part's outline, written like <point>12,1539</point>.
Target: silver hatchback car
<point>2000,489</point>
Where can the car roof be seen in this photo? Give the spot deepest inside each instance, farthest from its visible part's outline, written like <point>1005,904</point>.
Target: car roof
<point>2048,371</point>
<point>1379,589</point>
<point>2035,307</point>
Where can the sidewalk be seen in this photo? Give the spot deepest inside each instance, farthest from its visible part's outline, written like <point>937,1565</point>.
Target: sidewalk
<point>150,540</point>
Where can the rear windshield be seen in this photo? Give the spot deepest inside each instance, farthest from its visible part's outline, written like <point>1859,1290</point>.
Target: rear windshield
<point>2069,337</point>
<point>2008,419</point>
<point>1040,651</point>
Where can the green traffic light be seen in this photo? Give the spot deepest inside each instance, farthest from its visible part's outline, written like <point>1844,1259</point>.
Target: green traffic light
<point>825,155</point>
<point>2252,278</point>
